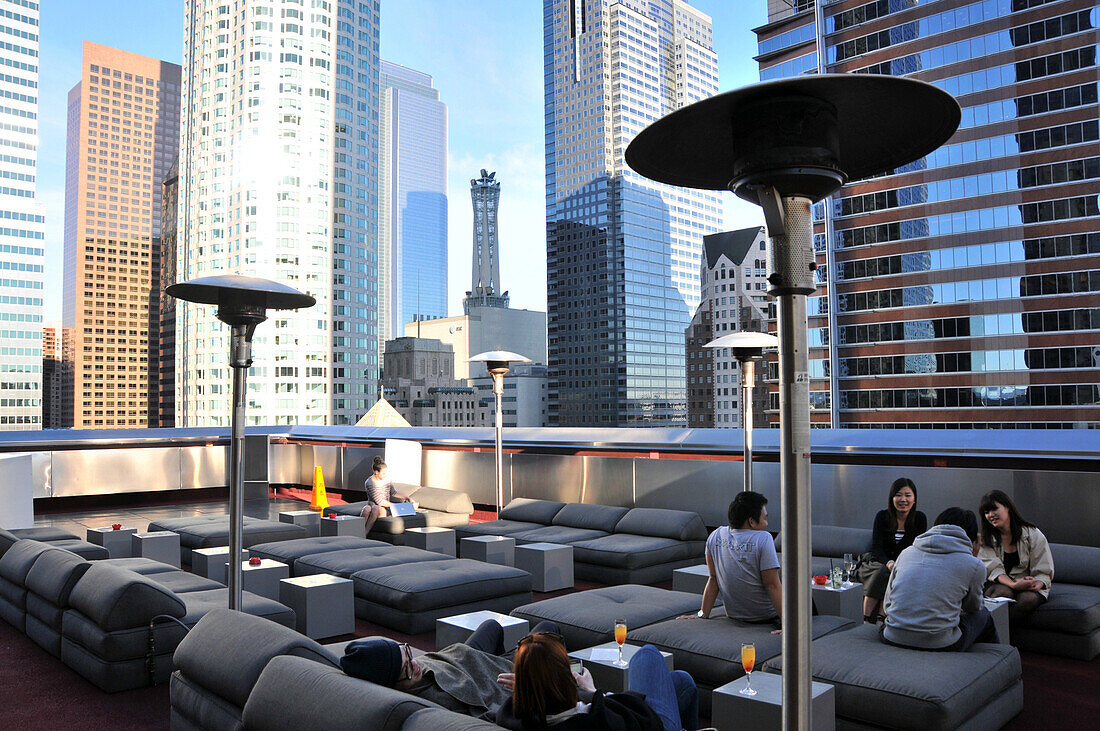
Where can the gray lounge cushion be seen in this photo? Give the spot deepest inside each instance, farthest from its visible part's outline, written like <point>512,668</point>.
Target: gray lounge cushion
<point>139,565</point>
<point>440,719</point>
<point>292,692</point>
<point>445,501</point>
<point>1071,609</point>
<point>290,551</point>
<point>586,618</point>
<point>226,651</point>
<point>347,562</point>
<point>561,534</point>
<point>680,525</point>
<point>496,528</point>
<point>53,576</point>
<point>835,541</point>
<point>17,562</point>
<point>434,584</point>
<point>390,524</point>
<point>116,598</point>
<point>590,516</point>
<point>89,551</point>
<point>531,511</point>
<point>7,540</point>
<point>629,551</point>
<point>1075,564</point>
<point>43,533</point>
<point>206,531</point>
<point>183,582</point>
<point>891,687</point>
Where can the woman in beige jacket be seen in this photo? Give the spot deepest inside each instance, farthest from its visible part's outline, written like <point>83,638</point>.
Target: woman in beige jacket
<point>1016,554</point>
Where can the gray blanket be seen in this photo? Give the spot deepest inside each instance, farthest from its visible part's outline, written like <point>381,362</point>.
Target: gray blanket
<point>463,680</point>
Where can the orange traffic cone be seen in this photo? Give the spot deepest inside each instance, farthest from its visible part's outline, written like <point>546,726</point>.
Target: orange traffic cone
<point>320,497</point>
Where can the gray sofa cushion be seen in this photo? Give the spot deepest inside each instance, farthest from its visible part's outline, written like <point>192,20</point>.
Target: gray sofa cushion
<point>434,584</point>
<point>531,511</point>
<point>586,618</point>
<point>444,501</point>
<point>116,598</point>
<point>1071,608</point>
<point>388,524</point>
<point>495,528</point>
<point>183,582</point>
<point>347,562</point>
<point>590,516</point>
<point>292,691</point>
<point>1076,564</point>
<point>226,651</point>
<point>17,562</point>
<point>440,719</point>
<point>629,551</point>
<point>290,551</point>
<point>44,533</point>
<point>562,534</point>
<point>143,566</point>
<point>89,551</point>
<point>680,525</point>
<point>835,541</point>
<point>53,576</point>
<point>877,684</point>
<point>7,540</point>
<point>206,531</point>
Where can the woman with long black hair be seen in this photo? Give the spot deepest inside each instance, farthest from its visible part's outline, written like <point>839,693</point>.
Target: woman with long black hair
<point>1016,555</point>
<point>893,532</point>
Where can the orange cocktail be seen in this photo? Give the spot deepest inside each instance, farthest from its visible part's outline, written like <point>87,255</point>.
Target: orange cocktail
<point>620,637</point>
<point>748,661</point>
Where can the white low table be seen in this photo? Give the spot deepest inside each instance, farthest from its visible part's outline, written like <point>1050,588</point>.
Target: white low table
<point>847,601</point>
<point>450,630</point>
<point>692,579</point>
<point>264,578</point>
<point>343,525</point>
<point>550,565</point>
<point>159,545</point>
<point>324,605</point>
<point>308,519</point>
<point>117,542</point>
<point>999,610</point>
<point>605,673</point>
<point>212,562</point>
<point>730,710</point>
<point>437,540</point>
<point>500,550</point>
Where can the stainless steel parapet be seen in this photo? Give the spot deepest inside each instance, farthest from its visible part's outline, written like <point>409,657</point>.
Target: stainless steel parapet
<point>1052,475</point>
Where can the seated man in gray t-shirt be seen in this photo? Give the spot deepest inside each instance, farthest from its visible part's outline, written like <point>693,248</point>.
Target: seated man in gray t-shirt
<point>743,565</point>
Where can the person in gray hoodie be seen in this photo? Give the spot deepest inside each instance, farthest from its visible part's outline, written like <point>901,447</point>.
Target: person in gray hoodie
<point>934,595</point>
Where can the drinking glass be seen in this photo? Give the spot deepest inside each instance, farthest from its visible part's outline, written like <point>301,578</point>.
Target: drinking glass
<point>849,567</point>
<point>620,637</point>
<point>748,660</point>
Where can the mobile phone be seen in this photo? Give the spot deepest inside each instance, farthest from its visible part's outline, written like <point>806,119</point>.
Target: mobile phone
<point>576,666</point>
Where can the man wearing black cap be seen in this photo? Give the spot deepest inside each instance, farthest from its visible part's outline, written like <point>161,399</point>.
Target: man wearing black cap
<point>461,678</point>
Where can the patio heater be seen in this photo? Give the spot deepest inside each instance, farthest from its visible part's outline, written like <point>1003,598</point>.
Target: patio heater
<point>785,145</point>
<point>497,363</point>
<point>746,347</point>
<point>242,304</point>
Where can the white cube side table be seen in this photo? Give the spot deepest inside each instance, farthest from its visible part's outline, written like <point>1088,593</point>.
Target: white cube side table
<point>437,540</point>
<point>159,545</point>
<point>264,578</point>
<point>500,550</point>
<point>212,562</point>
<point>308,519</point>
<point>730,710</point>
<point>999,610</point>
<point>343,525</point>
<point>324,605</point>
<point>550,565</point>
<point>450,630</point>
<point>117,542</point>
<point>601,663</point>
<point>692,579</point>
<point>847,601</point>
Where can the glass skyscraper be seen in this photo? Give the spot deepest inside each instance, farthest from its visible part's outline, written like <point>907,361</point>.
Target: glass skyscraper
<point>413,209</point>
<point>962,289</point>
<point>279,179</point>
<point>22,226</point>
<point>622,251</point>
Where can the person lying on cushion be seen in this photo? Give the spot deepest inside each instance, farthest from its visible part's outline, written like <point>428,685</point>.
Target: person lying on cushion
<point>461,677</point>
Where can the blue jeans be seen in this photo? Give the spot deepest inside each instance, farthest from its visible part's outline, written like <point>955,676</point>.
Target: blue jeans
<point>672,695</point>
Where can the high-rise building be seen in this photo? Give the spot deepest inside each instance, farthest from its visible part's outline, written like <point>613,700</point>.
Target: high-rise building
<point>162,348</point>
<point>279,179</point>
<point>123,128</point>
<point>412,256</point>
<point>52,373</point>
<point>733,282</point>
<point>962,288</point>
<point>622,251</point>
<point>485,200</point>
<point>22,226</point>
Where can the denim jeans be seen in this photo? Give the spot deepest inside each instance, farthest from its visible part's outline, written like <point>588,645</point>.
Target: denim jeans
<point>672,695</point>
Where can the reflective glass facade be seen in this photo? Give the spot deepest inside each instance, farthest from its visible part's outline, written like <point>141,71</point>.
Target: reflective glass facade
<point>962,286</point>
<point>623,253</point>
<point>22,226</point>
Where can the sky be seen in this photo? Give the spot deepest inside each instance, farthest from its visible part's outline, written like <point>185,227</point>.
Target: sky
<point>486,60</point>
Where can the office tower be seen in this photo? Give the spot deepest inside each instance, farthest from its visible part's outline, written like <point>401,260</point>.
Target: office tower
<point>123,128</point>
<point>279,179</point>
<point>420,383</point>
<point>51,376</point>
<point>162,350</point>
<point>732,277</point>
<point>485,200</point>
<point>622,251</point>
<point>22,226</point>
<point>963,285</point>
<point>412,256</point>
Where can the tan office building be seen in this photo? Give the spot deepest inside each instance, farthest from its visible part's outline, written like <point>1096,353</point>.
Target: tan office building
<point>123,134</point>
